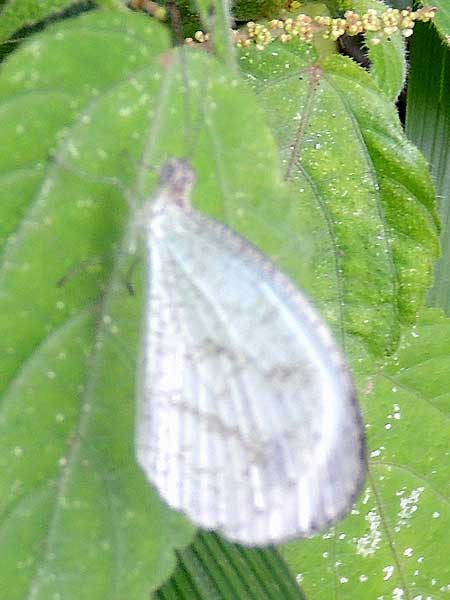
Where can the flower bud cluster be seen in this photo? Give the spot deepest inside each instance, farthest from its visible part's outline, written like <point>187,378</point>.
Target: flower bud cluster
<point>303,27</point>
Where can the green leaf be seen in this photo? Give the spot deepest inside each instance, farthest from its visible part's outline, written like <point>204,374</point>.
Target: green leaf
<point>214,568</point>
<point>90,526</point>
<point>428,126</point>
<point>343,148</point>
<point>395,544</point>
<point>86,108</point>
<point>442,19</point>
<point>388,59</point>
<point>16,14</point>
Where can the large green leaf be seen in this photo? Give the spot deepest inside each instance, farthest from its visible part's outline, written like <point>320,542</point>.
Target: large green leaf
<point>214,568</point>
<point>428,126</point>
<point>343,147</point>
<point>86,108</point>
<point>395,544</point>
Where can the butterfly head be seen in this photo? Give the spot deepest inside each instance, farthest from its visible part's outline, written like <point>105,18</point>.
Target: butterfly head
<point>177,178</point>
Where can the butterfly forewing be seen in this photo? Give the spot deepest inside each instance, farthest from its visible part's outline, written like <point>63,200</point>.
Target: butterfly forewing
<point>248,420</point>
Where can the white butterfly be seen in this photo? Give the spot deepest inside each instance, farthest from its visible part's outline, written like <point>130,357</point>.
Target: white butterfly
<point>248,420</point>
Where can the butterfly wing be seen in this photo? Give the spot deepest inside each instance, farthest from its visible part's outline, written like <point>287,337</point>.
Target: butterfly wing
<point>248,420</point>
